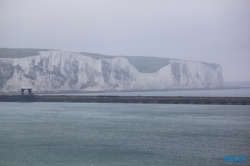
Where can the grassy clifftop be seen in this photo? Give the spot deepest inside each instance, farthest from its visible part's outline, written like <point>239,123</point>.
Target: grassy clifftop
<point>142,64</point>
<point>19,52</point>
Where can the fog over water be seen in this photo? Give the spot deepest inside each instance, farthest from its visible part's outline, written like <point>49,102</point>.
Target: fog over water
<point>210,31</point>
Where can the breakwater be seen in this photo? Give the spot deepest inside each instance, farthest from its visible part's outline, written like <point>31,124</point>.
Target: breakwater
<point>127,99</point>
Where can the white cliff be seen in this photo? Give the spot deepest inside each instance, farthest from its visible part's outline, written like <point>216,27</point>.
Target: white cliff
<point>59,70</point>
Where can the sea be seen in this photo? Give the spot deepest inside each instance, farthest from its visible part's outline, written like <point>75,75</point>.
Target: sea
<point>231,89</point>
<point>239,92</point>
<point>118,134</point>
<point>103,134</point>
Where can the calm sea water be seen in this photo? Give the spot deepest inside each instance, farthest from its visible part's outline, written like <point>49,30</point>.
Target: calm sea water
<point>86,134</point>
<point>243,92</point>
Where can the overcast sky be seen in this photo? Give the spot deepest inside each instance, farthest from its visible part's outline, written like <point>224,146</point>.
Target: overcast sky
<point>211,31</point>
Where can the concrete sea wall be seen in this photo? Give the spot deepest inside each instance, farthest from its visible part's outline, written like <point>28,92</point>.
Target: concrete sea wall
<point>128,99</point>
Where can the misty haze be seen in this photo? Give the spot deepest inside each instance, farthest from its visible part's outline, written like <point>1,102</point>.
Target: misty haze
<point>124,83</point>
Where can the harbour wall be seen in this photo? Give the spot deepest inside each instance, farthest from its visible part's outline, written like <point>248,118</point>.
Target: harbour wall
<point>128,99</point>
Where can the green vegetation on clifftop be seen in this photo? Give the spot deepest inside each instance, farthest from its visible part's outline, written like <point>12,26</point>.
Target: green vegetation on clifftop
<point>19,52</point>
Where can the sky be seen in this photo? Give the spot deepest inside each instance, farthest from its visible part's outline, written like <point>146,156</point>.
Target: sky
<point>213,31</point>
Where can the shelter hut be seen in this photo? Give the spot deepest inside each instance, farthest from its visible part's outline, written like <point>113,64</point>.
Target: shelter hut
<point>23,88</point>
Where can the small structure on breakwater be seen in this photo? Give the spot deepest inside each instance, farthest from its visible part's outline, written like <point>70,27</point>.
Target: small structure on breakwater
<point>23,88</point>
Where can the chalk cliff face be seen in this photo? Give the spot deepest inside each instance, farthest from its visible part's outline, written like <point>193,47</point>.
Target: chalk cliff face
<point>59,70</point>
